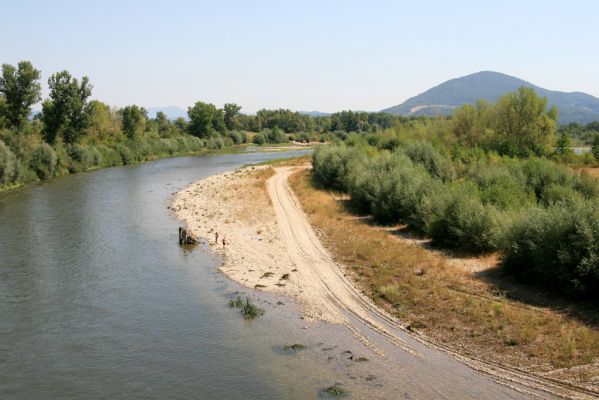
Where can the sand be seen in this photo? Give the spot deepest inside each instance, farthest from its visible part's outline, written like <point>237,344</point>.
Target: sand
<point>271,246</point>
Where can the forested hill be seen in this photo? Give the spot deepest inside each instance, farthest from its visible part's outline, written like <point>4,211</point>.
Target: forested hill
<point>444,98</point>
<point>171,112</point>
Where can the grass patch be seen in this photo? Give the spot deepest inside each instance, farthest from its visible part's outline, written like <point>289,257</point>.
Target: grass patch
<point>236,302</point>
<point>247,308</point>
<point>293,347</point>
<point>334,391</point>
<point>449,305</point>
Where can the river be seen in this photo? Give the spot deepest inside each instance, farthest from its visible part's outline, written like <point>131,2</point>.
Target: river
<point>99,302</point>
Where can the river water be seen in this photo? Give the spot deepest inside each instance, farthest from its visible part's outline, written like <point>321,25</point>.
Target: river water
<point>99,302</point>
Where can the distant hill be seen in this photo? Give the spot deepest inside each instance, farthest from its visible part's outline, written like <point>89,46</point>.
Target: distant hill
<point>172,112</point>
<point>315,113</point>
<point>444,98</point>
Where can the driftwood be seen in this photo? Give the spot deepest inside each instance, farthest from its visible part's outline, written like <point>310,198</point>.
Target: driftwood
<point>185,237</point>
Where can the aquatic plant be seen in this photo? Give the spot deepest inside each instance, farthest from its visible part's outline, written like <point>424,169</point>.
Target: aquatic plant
<point>334,391</point>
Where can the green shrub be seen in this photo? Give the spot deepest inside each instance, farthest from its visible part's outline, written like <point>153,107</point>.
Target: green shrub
<point>303,137</point>
<point>43,161</point>
<point>341,135</point>
<point>557,247</point>
<point>127,156</point>
<point>259,139</point>
<point>110,157</point>
<point>460,220</point>
<point>237,137</point>
<point>84,157</point>
<point>502,189</point>
<point>331,166</point>
<point>63,160</point>
<point>215,143</point>
<point>436,164</point>
<point>541,173</point>
<point>9,165</point>
<point>142,148</point>
<point>556,194</point>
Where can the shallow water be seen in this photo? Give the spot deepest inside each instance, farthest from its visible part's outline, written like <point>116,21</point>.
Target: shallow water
<point>98,300</point>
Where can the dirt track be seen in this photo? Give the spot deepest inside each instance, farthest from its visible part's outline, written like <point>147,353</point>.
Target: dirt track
<point>422,368</point>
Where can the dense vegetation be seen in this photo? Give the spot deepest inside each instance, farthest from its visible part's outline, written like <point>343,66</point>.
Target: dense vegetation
<point>73,133</point>
<point>487,179</point>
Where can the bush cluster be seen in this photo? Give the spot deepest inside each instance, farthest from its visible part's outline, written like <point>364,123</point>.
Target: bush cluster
<point>542,216</point>
<point>26,159</point>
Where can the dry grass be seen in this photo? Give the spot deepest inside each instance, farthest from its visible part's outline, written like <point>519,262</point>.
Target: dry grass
<point>592,171</point>
<point>251,196</point>
<point>450,305</point>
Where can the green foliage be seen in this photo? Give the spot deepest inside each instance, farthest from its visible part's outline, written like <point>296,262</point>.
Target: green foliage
<point>540,174</point>
<point>9,166</point>
<point>302,137</point>
<point>436,164</point>
<point>502,187</point>
<point>595,148</point>
<point>259,139</point>
<point>557,247</point>
<point>84,158</point>
<point>523,124</point>
<point>247,308</point>
<point>495,203</point>
<point>460,220</point>
<point>563,143</point>
<point>103,123</point>
<point>519,124</point>
<point>134,121</point>
<point>65,113</point>
<point>237,137</point>
<point>205,120</point>
<point>332,165</point>
<point>581,134</point>
<point>231,116</point>
<point>20,89</point>
<point>334,391</point>
<point>274,135</point>
<point>43,161</point>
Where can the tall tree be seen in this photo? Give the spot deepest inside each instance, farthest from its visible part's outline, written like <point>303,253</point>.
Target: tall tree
<point>134,120</point>
<point>66,112</point>
<point>205,120</point>
<point>524,125</point>
<point>231,111</point>
<point>21,89</point>
<point>102,120</point>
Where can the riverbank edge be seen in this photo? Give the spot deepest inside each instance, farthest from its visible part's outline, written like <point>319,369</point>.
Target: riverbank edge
<point>418,331</point>
<point>235,149</point>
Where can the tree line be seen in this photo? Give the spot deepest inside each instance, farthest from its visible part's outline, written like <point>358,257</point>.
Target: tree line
<point>74,132</point>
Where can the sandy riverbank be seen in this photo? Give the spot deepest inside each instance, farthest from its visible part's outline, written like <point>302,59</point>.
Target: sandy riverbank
<point>271,246</point>
<point>236,205</point>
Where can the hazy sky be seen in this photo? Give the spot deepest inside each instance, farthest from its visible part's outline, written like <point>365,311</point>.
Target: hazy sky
<point>304,55</point>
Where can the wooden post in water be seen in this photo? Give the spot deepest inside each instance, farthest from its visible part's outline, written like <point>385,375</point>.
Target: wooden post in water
<point>185,238</point>
<point>182,235</point>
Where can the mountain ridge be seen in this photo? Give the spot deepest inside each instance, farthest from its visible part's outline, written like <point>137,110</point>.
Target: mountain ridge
<point>442,99</point>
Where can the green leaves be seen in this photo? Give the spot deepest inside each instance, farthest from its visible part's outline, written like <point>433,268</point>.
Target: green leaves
<point>66,113</point>
<point>20,89</point>
<point>134,120</point>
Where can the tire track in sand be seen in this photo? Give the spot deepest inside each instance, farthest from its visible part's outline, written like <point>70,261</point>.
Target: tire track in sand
<point>335,299</point>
